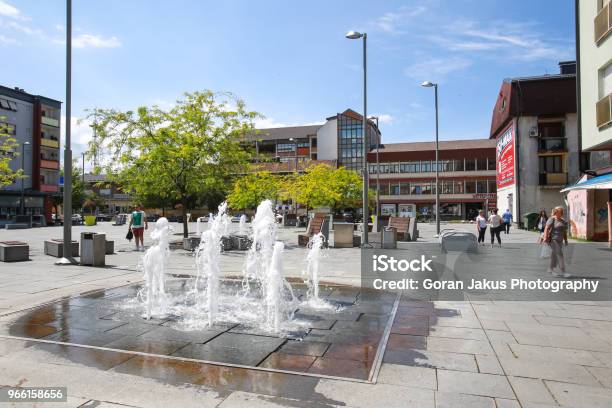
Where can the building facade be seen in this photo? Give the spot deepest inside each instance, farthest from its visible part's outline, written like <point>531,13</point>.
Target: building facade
<point>535,127</point>
<point>113,199</point>
<point>338,141</point>
<point>34,121</point>
<point>405,174</point>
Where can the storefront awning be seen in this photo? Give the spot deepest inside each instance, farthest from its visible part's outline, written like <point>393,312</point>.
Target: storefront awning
<point>603,182</point>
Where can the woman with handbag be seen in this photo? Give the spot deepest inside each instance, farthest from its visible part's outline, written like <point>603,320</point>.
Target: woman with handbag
<point>555,235</point>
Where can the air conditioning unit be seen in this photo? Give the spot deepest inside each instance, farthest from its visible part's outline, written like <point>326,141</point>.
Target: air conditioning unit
<point>533,132</point>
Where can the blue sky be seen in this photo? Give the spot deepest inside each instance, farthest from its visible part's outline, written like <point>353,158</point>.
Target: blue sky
<point>290,60</point>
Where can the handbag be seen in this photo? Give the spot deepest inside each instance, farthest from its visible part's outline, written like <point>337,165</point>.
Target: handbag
<point>129,235</point>
<point>545,251</point>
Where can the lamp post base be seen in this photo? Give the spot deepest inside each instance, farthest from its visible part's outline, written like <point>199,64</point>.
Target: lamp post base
<point>66,261</point>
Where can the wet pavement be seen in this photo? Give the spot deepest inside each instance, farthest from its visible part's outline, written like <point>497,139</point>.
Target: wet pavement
<point>99,331</point>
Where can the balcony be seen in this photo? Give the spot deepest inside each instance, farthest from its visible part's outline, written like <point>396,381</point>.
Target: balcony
<point>49,143</point>
<point>604,111</point>
<point>553,179</point>
<point>49,188</point>
<point>552,144</point>
<point>45,120</point>
<point>49,164</point>
<point>603,23</point>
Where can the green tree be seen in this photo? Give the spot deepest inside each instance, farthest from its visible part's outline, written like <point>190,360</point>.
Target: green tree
<point>8,151</point>
<point>325,186</point>
<point>178,154</point>
<point>78,189</point>
<point>251,189</point>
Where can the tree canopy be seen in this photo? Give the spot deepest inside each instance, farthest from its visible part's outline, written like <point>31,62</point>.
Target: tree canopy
<point>190,150</point>
<point>8,151</point>
<point>251,189</point>
<point>325,186</point>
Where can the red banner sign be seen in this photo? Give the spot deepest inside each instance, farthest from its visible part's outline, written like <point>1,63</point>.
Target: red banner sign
<point>505,158</point>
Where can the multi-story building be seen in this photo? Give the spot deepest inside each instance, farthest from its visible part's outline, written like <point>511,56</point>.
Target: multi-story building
<point>338,141</point>
<point>406,177</point>
<point>114,199</point>
<point>535,125</point>
<point>590,204</point>
<point>35,123</point>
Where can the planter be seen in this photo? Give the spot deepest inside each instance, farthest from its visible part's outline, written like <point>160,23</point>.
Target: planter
<point>55,247</point>
<point>14,251</point>
<point>90,220</point>
<point>110,247</point>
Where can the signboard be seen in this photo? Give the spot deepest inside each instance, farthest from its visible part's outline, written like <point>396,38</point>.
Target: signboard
<point>484,196</point>
<point>407,210</point>
<point>387,210</point>
<point>505,158</point>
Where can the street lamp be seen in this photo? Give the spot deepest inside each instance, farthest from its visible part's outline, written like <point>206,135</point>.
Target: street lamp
<point>67,236</point>
<point>354,35</point>
<point>428,84</point>
<point>377,171</point>
<point>22,202</point>
<point>295,163</point>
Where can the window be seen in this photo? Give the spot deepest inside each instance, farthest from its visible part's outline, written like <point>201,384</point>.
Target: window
<point>481,164</point>
<point>459,187</point>
<point>470,187</point>
<point>605,81</point>
<point>426,166</point>
<point>373,169</point>
<point>447,187</point>
<point>384,189</point>
<point>458,165</point>
<point>491,163</point>
<point>314,142</point>
<point>551,164</point>
<point>394,168</point>
<point>470,164</point>
<point>394,189</point>
<point>492,186</point>
<point>4,104</point>
<point>285,147</point>
<point>404,188</point>
<point>481,186</point>
<point>551,129</point>
<point>384,168</point>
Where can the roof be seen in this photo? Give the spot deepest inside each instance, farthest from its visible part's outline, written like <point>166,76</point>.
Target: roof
<point>296,132</point>
<point>603,182</point>
<point>22,95</point>
<point>468,144</point>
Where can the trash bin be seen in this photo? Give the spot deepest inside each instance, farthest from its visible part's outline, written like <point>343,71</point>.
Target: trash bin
<point>93,249</point>
<point>389,238</point>
<point>530,220</point>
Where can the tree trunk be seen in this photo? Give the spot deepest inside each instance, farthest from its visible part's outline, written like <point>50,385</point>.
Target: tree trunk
<point>185,225</point>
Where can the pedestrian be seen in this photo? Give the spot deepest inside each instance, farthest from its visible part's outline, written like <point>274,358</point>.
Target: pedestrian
<point>497,224</point>
<point>507,216</point>
<point>138,223</point>
<point>481,226</point>
<point>542,218</point>
<point>555,235</point>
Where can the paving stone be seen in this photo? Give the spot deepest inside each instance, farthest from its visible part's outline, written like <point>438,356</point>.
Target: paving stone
<point>559,355</point>
<point>531,390</point>
<point>506,403</point>
<point>458,333</point>
<point>291,362</point>
<point>241,399</point>
<point>163,333</point>
<point>9,346</point>
<point>403,342</point>
<point>603,375</point>
<point>432,359</point>
<point>605,358</point>
<point>459,346</point>
<point>306,348</point>
<point>147,346</point>
<point>337,367</point>
<point>245,341</point>
<point>85,337</point>
<point>474,383</point>
<point>574,395</point>
<point>420,377</point>
<point>352,352</point>
<point>498,336</point>
<point>550,370</point>
<point>455,400</point>
<point>375,395</point>
<point>230,355</point>
<point>488,364</point>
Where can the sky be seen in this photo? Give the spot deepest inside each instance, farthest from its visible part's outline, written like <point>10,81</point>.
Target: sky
<point>290,60</point>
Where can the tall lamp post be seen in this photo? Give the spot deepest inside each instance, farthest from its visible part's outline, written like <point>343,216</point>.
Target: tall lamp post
<point>428,84</point>
<point>354,35</point>
<point>22,202</point>
<point>67,236</point>
<point>377,171</point>
<point>295,164</point>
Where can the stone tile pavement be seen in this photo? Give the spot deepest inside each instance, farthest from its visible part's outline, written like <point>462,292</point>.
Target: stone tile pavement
<point>439,354</point>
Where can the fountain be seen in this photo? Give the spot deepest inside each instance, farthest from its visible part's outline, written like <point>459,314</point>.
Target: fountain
<point>311,273</point>
<point>242,226</point>
<point>154,263</point>
<point>207,263</point>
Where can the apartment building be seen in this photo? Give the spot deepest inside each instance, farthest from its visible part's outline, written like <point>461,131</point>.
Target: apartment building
<point>535,126</point>
<point>34,121</point>
<point>405,176</point>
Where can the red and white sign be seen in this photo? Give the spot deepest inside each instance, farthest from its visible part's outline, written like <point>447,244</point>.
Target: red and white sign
<point>505,158</point>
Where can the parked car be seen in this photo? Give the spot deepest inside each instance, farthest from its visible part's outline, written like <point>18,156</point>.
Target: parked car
<point>77,219</point>
<point>153,217</point>
<point>104,217</point>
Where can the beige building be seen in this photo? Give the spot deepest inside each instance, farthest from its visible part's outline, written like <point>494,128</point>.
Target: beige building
<point>594,49</point>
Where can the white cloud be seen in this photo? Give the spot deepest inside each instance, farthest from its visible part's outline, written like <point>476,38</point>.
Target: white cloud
<point>95,41</point>
<point>392,21</point>
<point>266,123</point>
<point>436,69</point>
<point>384,118</point>
<point>7,40</point>
<point>8,10</point>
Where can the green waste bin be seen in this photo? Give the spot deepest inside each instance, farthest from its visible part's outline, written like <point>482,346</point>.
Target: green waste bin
<point>530,220</point>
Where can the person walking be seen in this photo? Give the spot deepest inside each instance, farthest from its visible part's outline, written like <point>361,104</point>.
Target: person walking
<point>497,224</point>
<point>555,235</point>
<point>542,218</point>
<point>507,217</point>
<point>138,223</point>
<point>481,226</point>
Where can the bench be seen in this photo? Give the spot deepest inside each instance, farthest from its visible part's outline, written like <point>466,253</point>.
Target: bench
<point>317,224</point>
<point>14,251</point>
<point>17,226</point>
<point>402,227</point>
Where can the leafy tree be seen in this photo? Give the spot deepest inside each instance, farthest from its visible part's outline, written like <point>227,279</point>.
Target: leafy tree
<point>8,151</point>
<point>178,154</point>
<point>78,190</point>
<point>325,186</point>
<point>251,189</point>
